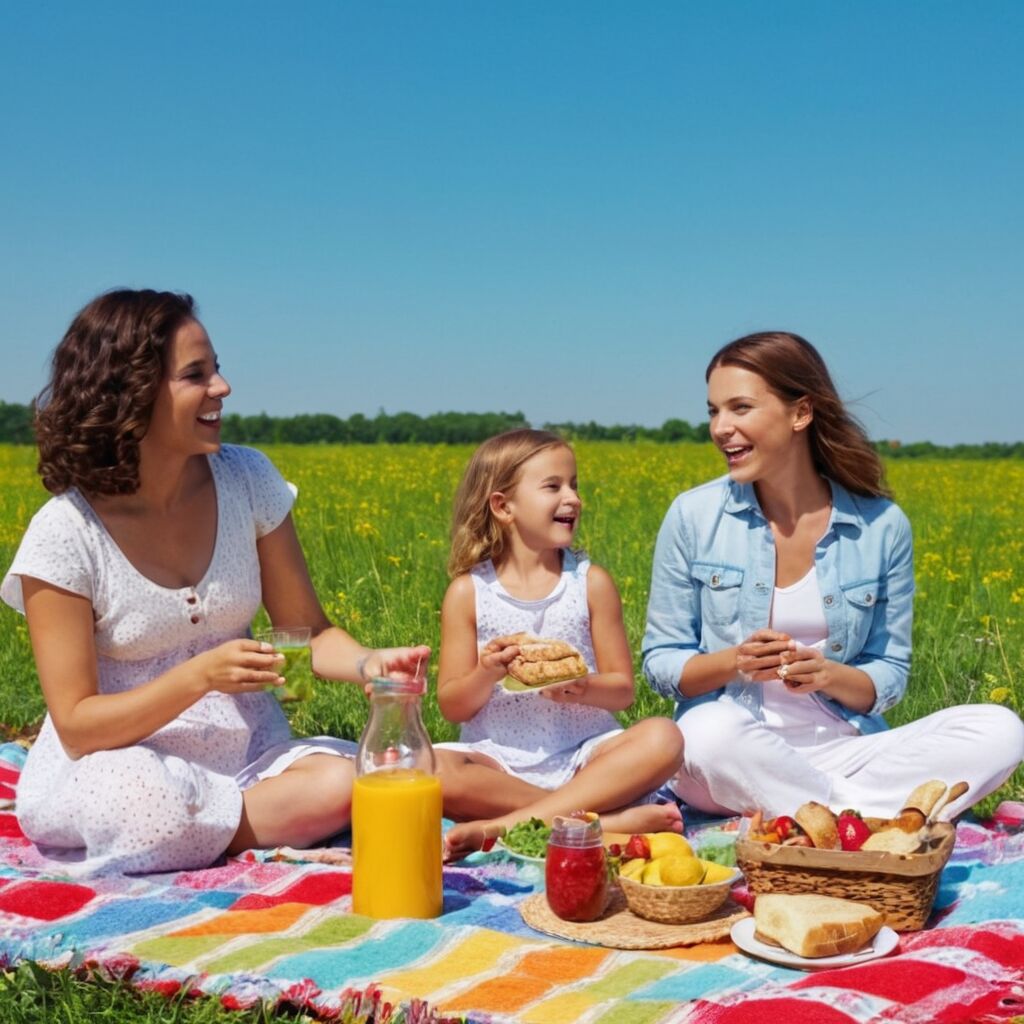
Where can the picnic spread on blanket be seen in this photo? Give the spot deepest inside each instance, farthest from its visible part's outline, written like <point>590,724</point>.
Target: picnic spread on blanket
<point>277,926</point>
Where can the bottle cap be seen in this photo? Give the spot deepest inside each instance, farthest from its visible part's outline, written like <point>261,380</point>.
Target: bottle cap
<point>579,829</point>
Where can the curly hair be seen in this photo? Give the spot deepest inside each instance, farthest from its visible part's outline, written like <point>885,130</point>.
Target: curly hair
<point>495,466</point>
<point>104,377</point>
<point>793,368</point>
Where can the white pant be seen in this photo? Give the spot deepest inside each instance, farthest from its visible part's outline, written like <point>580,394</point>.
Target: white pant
<point>733,764</point>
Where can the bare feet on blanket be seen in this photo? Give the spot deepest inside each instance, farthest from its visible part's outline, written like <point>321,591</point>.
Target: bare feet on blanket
<point>645,818</point>
<point>470,836</point>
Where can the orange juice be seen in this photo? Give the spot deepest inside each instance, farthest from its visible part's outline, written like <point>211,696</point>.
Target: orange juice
<point>396,844</point>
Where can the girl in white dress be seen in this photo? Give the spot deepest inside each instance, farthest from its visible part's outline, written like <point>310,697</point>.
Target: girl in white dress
<point>526,755</point>
<point>162,748</point>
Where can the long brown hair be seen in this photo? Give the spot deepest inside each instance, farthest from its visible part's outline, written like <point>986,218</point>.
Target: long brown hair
<point>103,383</point>
<point>792,367</point>
<point>495,466</point>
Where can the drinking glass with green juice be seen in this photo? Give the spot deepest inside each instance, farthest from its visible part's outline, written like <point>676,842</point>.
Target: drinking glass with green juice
<point>293,643</point>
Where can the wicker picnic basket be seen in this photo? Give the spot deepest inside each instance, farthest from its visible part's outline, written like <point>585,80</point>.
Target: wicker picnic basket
<point>902,886</point>
<point>675,904</point>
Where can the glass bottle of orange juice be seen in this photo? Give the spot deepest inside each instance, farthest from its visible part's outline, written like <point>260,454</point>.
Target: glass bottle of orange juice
<point>396,809</point>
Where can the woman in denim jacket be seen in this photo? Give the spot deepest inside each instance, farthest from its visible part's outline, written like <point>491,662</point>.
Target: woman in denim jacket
<point>781,606</point>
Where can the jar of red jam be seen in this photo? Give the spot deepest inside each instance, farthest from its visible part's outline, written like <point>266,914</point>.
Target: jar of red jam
<point>576,873</point>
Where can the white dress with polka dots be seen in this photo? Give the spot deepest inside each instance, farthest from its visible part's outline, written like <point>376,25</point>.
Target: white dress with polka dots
<point>174,800</point>
<point>538,740</point>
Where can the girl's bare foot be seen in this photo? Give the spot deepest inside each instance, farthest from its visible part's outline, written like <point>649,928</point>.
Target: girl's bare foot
<point>644,818</point>
<point>470,836</point>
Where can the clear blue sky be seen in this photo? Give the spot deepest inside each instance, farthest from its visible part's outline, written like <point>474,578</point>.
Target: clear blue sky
<point>559,208</point>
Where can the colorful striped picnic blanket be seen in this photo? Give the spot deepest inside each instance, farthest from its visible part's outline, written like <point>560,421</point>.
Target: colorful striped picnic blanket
<point>262,928</point>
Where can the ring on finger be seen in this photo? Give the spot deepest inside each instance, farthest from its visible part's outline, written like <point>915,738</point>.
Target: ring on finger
<point>783,671</point>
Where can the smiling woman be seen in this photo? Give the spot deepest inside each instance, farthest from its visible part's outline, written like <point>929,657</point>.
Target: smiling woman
<point>780,610</point>
<point>186,412</point>
<point>162,748</point>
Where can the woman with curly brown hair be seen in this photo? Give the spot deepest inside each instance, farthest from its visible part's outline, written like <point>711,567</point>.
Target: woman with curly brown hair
<point>162,748</point>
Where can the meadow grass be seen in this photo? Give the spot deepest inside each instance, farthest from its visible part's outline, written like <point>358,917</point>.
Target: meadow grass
<point>374,525</point>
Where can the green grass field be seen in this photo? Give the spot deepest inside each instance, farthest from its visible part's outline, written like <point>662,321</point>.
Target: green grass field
<point>374,525</point>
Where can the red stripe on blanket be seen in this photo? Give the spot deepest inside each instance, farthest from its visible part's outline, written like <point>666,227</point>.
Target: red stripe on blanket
<point>315,890</point>
<point>760,1011</point>
<point>906,979</point>
<point>9,827</point>
<point>900,980</point>
<point>1001,942</point>
<point>45,901</point>
<point>9,776</point>
<point>6,792</point>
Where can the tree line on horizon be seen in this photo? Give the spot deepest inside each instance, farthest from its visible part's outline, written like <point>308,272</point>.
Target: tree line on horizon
<point>472,428</point>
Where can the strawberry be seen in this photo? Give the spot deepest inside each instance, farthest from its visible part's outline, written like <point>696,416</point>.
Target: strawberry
<point>786,827</point>
<point>853,830</point>
<point>638,846</point>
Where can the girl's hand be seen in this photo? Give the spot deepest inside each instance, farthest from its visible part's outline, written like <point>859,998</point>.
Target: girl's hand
<point>404,664</point>
<point>495,656</point>
<point>571,692</point>
<point>759,657</point>
<point>239,666</point>
<point>804,670</point>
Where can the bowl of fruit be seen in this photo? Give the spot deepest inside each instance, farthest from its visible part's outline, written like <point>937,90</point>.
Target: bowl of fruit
<point>664,880</point>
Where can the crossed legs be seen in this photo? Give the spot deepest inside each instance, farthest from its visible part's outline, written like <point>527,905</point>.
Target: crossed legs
<point>622,769</point>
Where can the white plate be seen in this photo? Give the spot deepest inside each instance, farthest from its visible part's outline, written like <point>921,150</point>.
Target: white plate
<point>743,935</point>
<point>514,686</point>
<point>515,853</point>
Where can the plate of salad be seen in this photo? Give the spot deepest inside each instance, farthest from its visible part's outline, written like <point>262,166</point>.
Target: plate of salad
<point>527,840</point>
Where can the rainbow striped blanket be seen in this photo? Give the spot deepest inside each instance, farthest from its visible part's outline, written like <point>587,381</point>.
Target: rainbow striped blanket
<point>278,928</point>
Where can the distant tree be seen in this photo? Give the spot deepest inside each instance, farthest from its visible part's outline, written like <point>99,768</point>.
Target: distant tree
<point>676,430</point>
<point>16,423</point>
<point>474,427</point>
<point>360,429</point>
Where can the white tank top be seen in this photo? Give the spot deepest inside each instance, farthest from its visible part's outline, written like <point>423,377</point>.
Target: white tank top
<point>528,729</point>
<point>797,610</point>
<point>800,719</point>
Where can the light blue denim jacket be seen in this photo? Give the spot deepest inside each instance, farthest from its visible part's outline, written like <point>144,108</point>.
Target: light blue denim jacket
<point>714,575</point>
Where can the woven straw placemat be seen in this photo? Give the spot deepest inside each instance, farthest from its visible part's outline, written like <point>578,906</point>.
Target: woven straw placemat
<point>620,928</point>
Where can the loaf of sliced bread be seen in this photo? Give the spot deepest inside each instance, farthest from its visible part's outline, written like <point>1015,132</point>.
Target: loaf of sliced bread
<point>813,926</point>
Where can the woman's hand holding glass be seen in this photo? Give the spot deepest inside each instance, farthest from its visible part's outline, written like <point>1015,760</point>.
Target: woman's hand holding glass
<point>759,657</point>
<point>239,666</point>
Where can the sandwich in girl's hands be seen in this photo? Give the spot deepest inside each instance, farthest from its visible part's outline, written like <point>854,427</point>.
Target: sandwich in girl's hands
<point>542,661</point>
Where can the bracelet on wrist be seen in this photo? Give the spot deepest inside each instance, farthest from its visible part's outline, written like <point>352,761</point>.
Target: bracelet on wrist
<point>361,667</point>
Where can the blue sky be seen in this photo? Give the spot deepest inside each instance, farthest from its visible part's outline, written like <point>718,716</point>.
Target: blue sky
<point>558,208</point>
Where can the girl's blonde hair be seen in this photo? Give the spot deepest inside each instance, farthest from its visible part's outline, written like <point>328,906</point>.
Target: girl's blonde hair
<point>495,466</point>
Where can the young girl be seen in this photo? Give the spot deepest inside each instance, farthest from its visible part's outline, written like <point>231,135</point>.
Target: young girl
<point>539,754</point>
<point>780,610</point>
